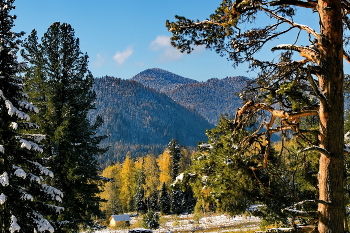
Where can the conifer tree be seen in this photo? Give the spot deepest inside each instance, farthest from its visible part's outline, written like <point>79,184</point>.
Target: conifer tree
<point>164,200</point>
<point>61,85</point>
<point>153,201</point>
<point>306,80</point>
<point>140,204</point>
<point>25,198</point>
<point>175,155</point>
<point>176,201</point>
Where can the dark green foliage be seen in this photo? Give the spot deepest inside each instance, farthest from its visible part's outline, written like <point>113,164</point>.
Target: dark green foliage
<point>176,201</point>
<point>285,99</point>
<point>25,198</point>
<point>231,180</point>
<point>153,201</point>
<point>60,83</point>
<point>164,200</point>
<point>151,220</point>
<point>140,204</point>
<point>188,201</point>
<point>175,154</point>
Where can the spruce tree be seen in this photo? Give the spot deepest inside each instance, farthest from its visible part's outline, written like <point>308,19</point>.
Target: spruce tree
<point>25,197</point>
<point>141,206</point>
<point>153,201</point>
<point>175,155</point>
<point>176,201</point>
<point>164,200</point>
<point>61,85</point>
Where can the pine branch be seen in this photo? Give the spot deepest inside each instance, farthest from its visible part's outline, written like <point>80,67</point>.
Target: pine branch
<point>296,25</point>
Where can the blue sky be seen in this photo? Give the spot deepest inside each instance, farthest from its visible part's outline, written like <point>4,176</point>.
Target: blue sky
<point>123,38</point>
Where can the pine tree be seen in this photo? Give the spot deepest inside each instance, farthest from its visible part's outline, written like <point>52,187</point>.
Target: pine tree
<point>25,198</point>
<point>61,85</point>
<point>306,80</point>
<point>176,201</point>
<point>188,201</point>
<point>140,204</point>
<point>151,220</point>
<point>164,200</point>
<point>175,155</point>
<point>153,201</point>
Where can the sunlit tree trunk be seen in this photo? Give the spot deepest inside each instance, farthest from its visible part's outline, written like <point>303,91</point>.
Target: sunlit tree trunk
<point>331,172</point>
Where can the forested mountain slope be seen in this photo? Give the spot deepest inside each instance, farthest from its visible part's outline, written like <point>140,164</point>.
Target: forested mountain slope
<point>135,115</point>
<point>161,80</point>
<point>209,99</point>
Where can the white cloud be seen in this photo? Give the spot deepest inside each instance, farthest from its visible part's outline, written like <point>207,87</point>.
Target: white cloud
<point>160,42</point>
<point>121,57</point>
<point>100,60</point>
<point>168,53</point>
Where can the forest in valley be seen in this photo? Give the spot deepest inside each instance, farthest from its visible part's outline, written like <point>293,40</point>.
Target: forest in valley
<point>283,156</point>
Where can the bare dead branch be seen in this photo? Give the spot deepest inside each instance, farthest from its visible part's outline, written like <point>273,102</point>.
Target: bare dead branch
<point>317,149</point>
<point>308,4</point>
<point>305,51</point>
<point>316,89</point>
<point>346,56</point>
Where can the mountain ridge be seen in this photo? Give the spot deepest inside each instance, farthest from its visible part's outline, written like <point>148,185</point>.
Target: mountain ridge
<point>161,80</point>
<point>137,115</point>
<point>141,115</point>
<point>209,98</point>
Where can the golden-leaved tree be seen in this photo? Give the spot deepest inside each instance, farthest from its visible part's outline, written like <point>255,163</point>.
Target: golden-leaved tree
<point>128,184</point>
<point>111,191</point>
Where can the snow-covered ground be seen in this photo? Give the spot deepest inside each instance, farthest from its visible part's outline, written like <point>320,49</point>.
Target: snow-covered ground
<point>186,223</point>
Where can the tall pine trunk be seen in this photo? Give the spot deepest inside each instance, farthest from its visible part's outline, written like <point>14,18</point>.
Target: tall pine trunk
<point>331,172</point>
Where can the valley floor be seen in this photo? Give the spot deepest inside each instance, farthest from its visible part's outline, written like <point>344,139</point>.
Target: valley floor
<point>187,223</point>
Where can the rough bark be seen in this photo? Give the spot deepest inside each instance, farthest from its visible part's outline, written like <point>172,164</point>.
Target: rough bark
<point>331,172</point>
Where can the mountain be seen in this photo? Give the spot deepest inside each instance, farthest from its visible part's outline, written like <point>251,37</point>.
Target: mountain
<point>209,99</point>
<point>142,120</point>
<point>161,80</point>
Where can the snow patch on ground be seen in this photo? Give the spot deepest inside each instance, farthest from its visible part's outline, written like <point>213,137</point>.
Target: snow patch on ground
<point>214,223</point>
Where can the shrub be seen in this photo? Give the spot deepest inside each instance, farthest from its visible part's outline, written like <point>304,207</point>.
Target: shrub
<point>151,220</point>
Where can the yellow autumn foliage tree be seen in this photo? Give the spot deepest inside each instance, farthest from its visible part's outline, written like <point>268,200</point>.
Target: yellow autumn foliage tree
<point>128,184</point>
<point>111,190</point>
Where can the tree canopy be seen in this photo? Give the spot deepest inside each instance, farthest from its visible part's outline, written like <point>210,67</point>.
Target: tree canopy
<point>306,81</point>
<point>26,199</point>
<point>59,82</point>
